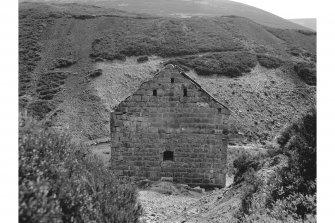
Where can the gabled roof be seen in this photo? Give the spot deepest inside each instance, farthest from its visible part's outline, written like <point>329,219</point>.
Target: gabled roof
<point>198,85</point>
<point>181,72</point>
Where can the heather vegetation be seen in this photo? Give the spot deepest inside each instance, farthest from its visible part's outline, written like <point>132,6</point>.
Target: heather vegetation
<point>38,108</point>
<point>63,182</point>
<point>270,62</point>
<point>63,62</point>
<point>296,38</point>
<point>47,87</point>
<point>29,51</point>
<point>307,72</point>
<point>291,190</point>
<point>231,64</point>
<point>49,84</point>
<point>142,59</point>
<point>96,73</point>
<point>163,37</point>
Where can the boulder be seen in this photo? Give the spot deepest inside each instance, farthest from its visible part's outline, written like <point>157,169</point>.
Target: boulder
<point>63,62</point>
<point>142,59</point>
<point>96,73</point>
<point>168,179</point>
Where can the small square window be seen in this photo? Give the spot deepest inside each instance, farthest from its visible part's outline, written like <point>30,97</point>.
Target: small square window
<point>172,80</point>
<point>219,110</point>
<point>154,92</point>
<point>168,155</point>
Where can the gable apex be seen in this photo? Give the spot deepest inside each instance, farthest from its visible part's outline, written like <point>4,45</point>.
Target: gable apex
<point>181,72</point>
<point>177,71</point>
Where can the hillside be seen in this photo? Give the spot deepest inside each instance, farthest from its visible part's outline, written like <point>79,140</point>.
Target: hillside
<point>187,8</point>
<point>307,22</point>
<point>76,62</point>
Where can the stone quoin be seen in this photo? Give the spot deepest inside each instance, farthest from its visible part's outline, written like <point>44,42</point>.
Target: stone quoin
<point>170,128</point>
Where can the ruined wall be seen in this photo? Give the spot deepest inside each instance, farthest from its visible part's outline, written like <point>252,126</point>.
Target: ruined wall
<point>162,116</point>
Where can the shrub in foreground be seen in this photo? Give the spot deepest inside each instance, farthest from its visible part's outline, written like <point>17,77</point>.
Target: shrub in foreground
<point>295,185</point>
<point>63,182</point>
<point>290,194</point>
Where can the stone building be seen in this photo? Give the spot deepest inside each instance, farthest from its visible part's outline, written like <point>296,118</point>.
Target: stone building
<point>170,127</point>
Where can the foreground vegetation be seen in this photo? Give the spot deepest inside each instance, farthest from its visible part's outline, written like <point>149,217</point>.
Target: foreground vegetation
<point>63,182</point>
<point>290,193</point>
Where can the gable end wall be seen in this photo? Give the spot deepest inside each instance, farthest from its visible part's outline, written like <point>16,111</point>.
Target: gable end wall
<point>193,127</point>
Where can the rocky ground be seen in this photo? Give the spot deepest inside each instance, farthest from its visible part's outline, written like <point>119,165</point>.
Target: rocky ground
<point>166,203</point>
<point>160,207</point>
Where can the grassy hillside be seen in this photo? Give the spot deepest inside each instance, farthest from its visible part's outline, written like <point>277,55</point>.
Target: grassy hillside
<point>307,22</point>
<point>77,61</point>
<point>188,8</point>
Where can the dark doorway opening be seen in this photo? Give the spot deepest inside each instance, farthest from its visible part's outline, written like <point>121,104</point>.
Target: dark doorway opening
<point>168,155</point>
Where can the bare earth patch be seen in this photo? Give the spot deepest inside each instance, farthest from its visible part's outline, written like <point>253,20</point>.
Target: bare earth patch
<point>120,79</point>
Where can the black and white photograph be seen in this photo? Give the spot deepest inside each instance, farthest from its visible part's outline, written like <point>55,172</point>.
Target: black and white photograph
<point>166,111</point>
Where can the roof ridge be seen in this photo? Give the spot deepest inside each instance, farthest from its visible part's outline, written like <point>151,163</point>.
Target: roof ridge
<point>181,71</point>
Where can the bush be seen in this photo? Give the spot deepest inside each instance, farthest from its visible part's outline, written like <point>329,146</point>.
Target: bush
<point>119,56</point>
<point>142,59</point>
<point>290,194</point>
<point>307,32</point>
<point>63,62</point>
<point>245,162</point>
<point>253,185</point>
<point>96,73</point>
<point>306,72</point>
<point>63,182</point>
<point>49,84</point>
<point>230,64</point>
<point>294,51</point>
<point>269,61</point>
<point>294,188</point>
<point>39,108</point>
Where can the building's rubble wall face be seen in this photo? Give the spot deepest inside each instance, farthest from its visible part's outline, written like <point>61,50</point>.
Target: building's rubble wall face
<point>190,124</point>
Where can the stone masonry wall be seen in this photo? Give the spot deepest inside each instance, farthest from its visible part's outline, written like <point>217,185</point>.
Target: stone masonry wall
<point>162,116</point>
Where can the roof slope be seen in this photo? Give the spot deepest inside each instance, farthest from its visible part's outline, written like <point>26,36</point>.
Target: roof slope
<point>198,85</point>
<point>180,71</point>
